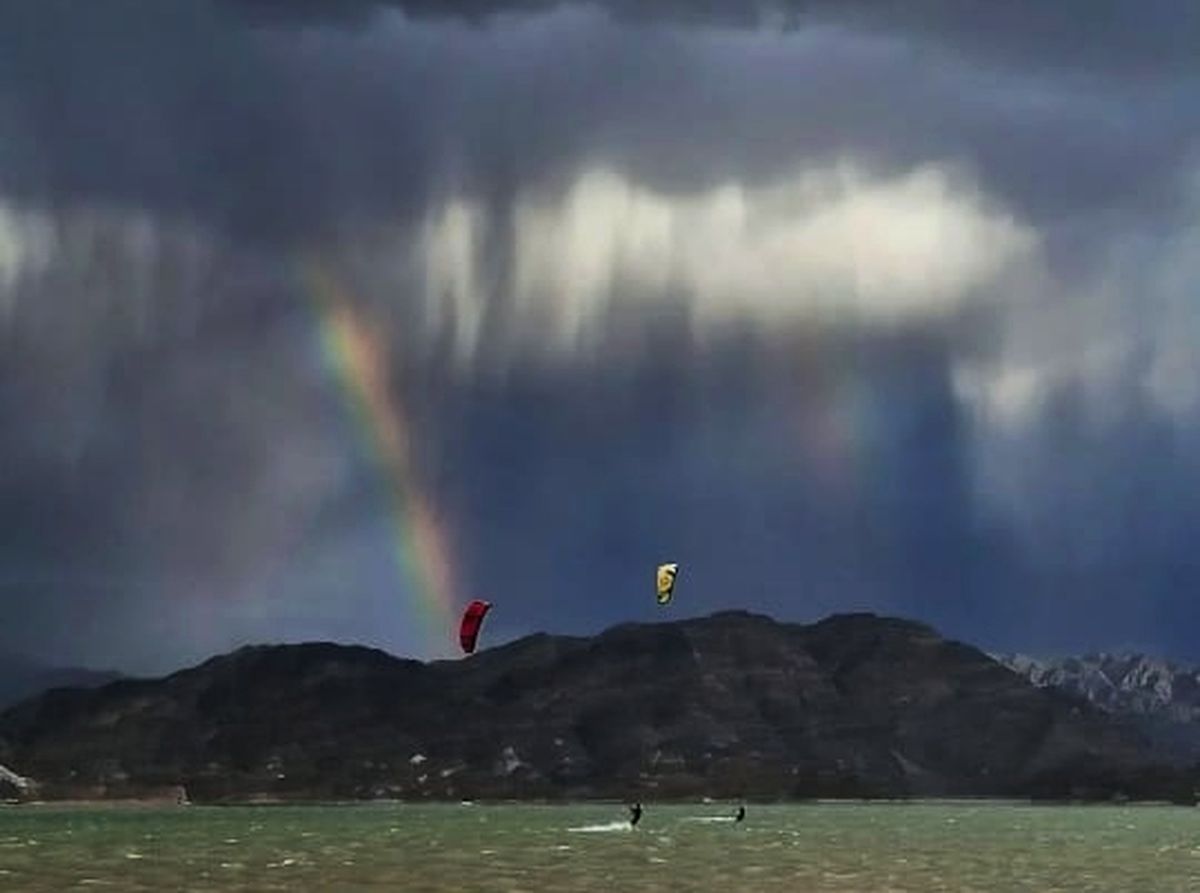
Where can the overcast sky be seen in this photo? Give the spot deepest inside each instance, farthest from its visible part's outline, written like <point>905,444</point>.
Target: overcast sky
<point>843,306</point>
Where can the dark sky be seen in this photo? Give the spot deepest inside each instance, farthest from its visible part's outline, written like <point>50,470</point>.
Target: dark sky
<point>842,305</point>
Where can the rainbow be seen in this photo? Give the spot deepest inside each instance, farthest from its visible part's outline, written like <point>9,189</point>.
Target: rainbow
<point>357,361</point>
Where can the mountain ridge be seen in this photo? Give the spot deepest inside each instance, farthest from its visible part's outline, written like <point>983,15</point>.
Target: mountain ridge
<point>22,678</point>
<point>1161,696</point>
<point>732,704</point>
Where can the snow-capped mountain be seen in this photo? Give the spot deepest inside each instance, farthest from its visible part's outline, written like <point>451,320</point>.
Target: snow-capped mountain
<point>1162,696</point>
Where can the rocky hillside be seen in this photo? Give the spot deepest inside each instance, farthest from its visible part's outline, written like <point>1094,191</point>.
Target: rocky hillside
<point>1161,697</point>
<point>13,786</point>
<point>729,705</point>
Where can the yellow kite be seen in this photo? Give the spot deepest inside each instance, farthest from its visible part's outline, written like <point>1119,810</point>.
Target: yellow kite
<point>666,582</point>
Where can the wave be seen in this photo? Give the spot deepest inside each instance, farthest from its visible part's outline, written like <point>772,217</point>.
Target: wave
<point>607,826</point>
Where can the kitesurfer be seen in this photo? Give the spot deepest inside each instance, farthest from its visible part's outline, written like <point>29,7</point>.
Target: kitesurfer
<point>741,814</point>
<point>635,814</point>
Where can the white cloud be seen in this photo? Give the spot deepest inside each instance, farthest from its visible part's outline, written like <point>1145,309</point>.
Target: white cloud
<point>1173,379</point>
<point>1132,321</point>
<point>26,247</point>
<point>449,245</point>
<point>830,243</point>
<point>1005,395</point>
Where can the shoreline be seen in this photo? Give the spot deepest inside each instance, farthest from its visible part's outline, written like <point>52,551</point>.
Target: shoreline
<point>145,803</point>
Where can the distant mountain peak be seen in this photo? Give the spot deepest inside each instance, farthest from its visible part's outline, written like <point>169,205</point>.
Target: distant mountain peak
<point>1162,695</point>
<point>22,677</point>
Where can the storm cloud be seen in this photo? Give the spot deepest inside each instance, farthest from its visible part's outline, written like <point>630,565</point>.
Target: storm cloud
<point>841,305</point>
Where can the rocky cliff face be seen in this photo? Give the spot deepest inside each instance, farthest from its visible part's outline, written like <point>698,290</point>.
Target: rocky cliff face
<point>14,786</point>
<point>1119,683</point>
<point>1162,698</point>
<point>729,705</point>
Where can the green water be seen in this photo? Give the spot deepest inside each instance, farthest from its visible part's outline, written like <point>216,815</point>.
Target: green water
<point>917,847</point>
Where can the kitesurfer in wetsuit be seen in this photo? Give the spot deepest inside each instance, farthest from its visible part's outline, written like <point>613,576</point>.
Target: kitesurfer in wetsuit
<point>741,814</point>
<point>635,815</point>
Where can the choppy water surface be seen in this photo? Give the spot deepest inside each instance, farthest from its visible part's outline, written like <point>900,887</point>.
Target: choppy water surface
<point>917,847</point>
